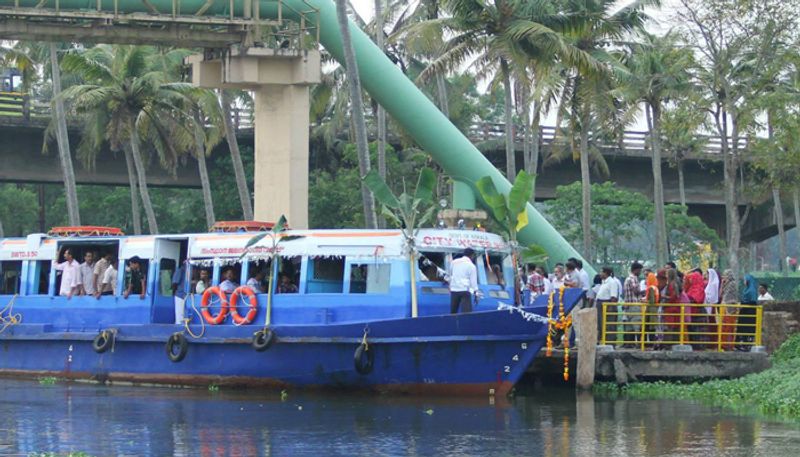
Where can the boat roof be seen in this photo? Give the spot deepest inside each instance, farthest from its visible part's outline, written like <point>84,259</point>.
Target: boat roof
<point>231,246</point>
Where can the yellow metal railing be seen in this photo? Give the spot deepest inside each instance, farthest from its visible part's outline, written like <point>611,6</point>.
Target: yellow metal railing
<point>705,327</point>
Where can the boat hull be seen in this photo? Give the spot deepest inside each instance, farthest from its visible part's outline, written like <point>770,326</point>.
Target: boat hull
<point>472,354</point>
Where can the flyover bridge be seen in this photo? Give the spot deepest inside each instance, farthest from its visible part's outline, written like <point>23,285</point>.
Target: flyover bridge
<point>629,164</point>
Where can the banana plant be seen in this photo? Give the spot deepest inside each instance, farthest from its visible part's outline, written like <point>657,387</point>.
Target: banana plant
<point>510,212</point>
<point>275,236</point>
<point>408,212</point>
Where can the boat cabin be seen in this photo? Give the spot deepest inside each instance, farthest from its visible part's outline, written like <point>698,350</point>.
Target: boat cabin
<point>317,276</point>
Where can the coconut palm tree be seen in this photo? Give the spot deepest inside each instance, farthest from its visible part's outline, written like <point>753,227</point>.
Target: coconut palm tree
<point>227,102</point>
<point>658,70</point>
<point>125,101</point>
<point>25,56</point>
<point>498,38</point>
<point>595,27</point>
<point>357,110</point>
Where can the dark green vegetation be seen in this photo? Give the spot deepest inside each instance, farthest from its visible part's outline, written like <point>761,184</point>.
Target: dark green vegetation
<point>775,391</point>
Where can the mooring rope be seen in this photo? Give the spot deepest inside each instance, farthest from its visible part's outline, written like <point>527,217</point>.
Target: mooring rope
<point>7,316</point>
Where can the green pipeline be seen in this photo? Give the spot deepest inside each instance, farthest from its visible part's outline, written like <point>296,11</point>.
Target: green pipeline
<point>385,83</point>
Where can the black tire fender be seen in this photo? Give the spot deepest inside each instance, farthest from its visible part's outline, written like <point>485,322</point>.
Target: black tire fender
<point>364,359</point>
<point>103,341</point>
<point>177,341</point>
<point>263,339</point>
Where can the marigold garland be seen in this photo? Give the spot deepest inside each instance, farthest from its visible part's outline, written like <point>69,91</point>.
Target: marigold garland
<point>562,323</point>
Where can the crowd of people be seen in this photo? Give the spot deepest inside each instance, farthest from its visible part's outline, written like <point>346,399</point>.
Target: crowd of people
<point>97,278</point>
<point>654,300</point>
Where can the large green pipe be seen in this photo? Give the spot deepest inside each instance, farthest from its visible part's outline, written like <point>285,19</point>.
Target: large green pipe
<point>389,86</point>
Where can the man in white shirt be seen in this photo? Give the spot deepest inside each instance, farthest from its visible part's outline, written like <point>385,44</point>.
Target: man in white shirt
<point>228,285</point>
<point>70,275</point>
<point>463,282</point>
<point>109,281</point>
<point>763,294</point>
<point>202,283</point>
<point>87,274</point>
<point>609,292</point>
<point>100,268</point>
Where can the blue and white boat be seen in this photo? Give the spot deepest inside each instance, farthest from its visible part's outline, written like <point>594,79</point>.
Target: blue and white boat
<point>350,324</point>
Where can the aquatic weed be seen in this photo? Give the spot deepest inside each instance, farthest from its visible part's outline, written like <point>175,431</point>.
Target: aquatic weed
<point>775,391</point>
<point>48,380</point>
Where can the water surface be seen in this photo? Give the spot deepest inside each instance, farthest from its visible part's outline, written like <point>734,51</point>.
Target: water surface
<point>140,421</point>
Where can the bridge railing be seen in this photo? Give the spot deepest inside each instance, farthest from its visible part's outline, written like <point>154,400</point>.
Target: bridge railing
<point>632,140</point>
<point>663,326</point>
<point>17,104</point>
<point>20,105</point>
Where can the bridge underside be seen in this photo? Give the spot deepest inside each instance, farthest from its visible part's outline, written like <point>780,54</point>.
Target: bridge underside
<point>23,161</point>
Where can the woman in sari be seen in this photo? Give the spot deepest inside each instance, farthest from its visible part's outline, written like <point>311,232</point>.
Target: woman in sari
<point>671,296</point>
<point>653,319</point>
<point>695,289</point>
<point>728,315</point>
<point>711,300</point>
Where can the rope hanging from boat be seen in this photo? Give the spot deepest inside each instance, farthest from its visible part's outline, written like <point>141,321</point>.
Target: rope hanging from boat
<point>186,321</point>
<point>7,316</point>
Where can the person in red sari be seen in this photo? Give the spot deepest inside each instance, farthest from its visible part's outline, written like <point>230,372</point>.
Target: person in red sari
<point>671,296</point>
<point>695,289</point>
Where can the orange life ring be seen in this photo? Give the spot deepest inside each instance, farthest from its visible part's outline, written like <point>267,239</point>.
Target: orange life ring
<point>243,290</point>
<point>219,318</point>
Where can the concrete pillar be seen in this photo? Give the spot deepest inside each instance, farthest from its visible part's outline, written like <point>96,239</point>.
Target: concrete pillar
<point>281,154</point>
<point>280,80</point>
<point>586,323</point>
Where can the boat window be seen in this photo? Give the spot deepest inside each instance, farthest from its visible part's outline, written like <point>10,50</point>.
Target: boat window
<point>9,277</point>
<point>494,269</point>
<point>258,275</point>
<point>370,278</point>
<point>144,265</point>
<point>288,267</point>
<point>230,277</point>
<point>201,273</point>
<point>431,266</point>
<point>325,275</point>
<point>42,274</point>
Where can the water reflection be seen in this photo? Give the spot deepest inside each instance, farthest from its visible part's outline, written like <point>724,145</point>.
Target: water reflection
<point>157,422</point>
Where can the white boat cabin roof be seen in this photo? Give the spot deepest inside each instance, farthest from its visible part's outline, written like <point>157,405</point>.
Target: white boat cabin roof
<point>323,243</point>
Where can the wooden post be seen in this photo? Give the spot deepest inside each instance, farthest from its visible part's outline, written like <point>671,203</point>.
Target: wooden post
<point>587,345</point>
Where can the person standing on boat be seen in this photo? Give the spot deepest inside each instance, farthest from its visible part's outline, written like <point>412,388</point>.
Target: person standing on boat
<point>108,284</point>
<point>99,274</point>
<point>70,275</point>
<point>463,282</point>
<point>136,285</point>
<point>87,274</point>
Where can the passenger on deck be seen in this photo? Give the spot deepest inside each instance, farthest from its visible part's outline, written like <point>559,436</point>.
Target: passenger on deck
<point>202,283</point>
<point>137,283</point>
<point>179,281</point>
<point>87,274</point>
<point>100,268</point>
<point>285,285</point>
<point>108,284</point>
<point>228,285</point>
<point>70,276</point>
<point>463,282</point>
<point>256,283</point>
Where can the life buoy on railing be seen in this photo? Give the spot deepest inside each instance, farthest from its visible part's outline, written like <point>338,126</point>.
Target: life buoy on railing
<point>252,303</point>
<point>204,305</point>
